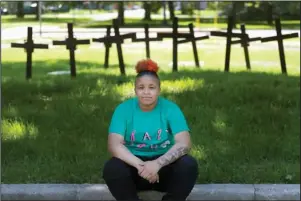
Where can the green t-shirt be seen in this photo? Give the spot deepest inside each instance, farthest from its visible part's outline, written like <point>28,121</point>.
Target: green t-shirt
<point>148,133</point>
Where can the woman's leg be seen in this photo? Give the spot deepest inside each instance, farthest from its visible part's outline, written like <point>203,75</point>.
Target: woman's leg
<point>120,179</point>
<point>178,178</point>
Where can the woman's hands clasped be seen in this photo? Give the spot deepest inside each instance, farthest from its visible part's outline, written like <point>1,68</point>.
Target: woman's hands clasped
<point>149,171</point>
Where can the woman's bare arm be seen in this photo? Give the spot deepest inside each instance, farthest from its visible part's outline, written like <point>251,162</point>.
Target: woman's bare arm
<point>117,149</point>
<point>181,147</point>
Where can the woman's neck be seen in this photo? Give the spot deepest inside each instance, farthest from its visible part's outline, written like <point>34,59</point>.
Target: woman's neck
<point>147,108</point>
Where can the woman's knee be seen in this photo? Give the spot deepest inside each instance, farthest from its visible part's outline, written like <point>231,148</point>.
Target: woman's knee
<point>115,168</point>
<point>187,162</point>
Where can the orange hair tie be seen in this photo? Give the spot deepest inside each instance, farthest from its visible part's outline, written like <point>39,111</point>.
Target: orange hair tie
<point>147,65</point>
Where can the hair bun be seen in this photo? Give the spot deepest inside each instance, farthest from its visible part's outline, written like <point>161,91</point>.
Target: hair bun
<point>147,65</point>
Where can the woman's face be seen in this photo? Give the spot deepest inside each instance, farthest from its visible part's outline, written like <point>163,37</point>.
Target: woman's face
<point>147,90</point>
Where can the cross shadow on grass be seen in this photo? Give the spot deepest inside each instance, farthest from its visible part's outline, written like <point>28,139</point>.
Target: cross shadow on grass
<point>244,126</point>
<point>40,69</point>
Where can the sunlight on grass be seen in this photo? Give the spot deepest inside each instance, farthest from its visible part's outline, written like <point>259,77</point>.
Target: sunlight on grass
<point>182,85</point>
<point>13,130</point>
<point>178,86</point>
<point>101,88</point>
<point>219,124</point>
<point>125,90</point>
<point>198,152</point>
<point>45,98</point>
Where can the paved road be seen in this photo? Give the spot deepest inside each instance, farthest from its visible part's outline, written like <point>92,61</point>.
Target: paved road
<point>138,13</point>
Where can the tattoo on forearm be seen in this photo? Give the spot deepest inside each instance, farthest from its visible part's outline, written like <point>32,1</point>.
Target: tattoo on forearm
<point>172,156</point>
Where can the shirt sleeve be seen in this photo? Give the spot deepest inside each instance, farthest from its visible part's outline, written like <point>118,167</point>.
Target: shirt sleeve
<point>118,121</point>
<point>177,120</point>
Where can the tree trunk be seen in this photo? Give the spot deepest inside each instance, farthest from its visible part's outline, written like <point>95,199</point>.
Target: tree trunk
<point>121,12</point>
<point>233,13</point>
<point>20,9</point>
<point>37,10</point>
<point>171,10</point>
<point>147,9</point>
<point>99,5</point>
<point>183,7</point>
<point>164,13</point>
<point>269,13</point>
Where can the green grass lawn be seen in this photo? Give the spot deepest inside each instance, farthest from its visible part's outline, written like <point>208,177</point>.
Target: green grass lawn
<point>245,125</point>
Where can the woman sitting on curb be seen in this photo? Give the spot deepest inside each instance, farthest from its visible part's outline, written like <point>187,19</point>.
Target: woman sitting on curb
<point>149,140</point>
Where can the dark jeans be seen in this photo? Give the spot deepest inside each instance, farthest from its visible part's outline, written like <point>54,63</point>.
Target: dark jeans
<point>176,179</point>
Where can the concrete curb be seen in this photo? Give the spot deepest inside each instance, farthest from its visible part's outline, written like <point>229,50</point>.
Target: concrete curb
<point>101,192</point>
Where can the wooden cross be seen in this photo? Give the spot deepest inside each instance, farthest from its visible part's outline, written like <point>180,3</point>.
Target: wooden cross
<point>229,36</point>
<point>29,47</point>
<point>147,39</point>
<point>244,41</point>
<point>193,40</point>
<point>107,44</point>
<point>174,35</point>
<point>280,37</point>
<point>118,39</point>
<point>71,44</point>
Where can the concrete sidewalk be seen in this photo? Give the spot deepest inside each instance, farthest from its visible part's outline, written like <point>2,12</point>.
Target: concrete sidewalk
<point>101,192</point>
